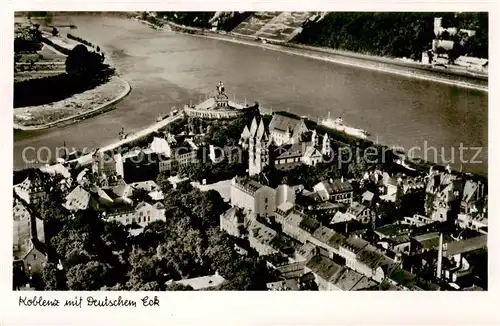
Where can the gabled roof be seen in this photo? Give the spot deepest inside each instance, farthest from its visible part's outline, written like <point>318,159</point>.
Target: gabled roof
<point>323,267</point>
<point>56,169</point>
<point>335,186</point>
<point>246,133</point>
<point>77,199</point>
<point>469,190</point>
<point>261,132</point>
<point>123,190</point>
<point>311,151</point>
<point>253,127</point>
<point>282,123</point>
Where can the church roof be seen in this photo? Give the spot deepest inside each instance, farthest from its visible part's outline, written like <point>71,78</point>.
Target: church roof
<point>261,131</point>
<point>282,123</point>
<point>246,133</point>
<point>253,127</point>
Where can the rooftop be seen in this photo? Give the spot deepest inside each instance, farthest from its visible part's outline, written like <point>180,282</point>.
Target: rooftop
<point>282,123</point>
<point>467,245</point>
<point>203,282</point>
<point>324,267</point>
<point>335,186</point>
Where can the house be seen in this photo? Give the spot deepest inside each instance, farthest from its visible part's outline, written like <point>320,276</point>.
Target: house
<point>286,129</point>
<point>287,267</point>
<point>31,190</point>
<point>312,156</point>
<point>201,283</point>
<point>305,252</point>
<point>327,241</point>
<point>336,191</point>
<point>473,191</point>
<point>182,154</point>
<point>232,221</point>
<point>330,276</point>
<point>417,220</point>
<point>395,236</point>
<point>324,270</point>
<point>367,197</point>
<point>78,199</point>
<point>390,187</point>
<point>284,285</point>
<point>261,237</point>
<point>475,221</point>
<point>285,193</point>
<point>289,156</point>
<point>361,213</point>
<point>143,214</point>
<point>25,228</point>
<point>107,163</point>
<point>441,189</point>
<point>253,196</point>
<point>364,258</point>
<point>161,146</point>
<point>33,257</point>
<point>426,242</point>
<point>294,223</point>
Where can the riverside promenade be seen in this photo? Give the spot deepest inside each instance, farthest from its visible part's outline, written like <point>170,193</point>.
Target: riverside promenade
<point>87,159</point>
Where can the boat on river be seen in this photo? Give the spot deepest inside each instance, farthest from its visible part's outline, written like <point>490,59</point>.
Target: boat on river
<point>339,125</point>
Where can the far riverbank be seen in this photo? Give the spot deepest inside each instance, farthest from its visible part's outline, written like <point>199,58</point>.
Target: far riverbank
<point>364,61</point>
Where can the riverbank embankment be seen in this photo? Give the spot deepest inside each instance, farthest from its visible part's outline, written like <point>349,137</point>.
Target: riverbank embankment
<point>364,61</point>
<point>86,104</point>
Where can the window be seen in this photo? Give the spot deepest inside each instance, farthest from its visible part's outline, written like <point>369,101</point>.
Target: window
<point>34,256</point>
<point>265,200</point>
<point>133,220</point>
<point>149,218</point>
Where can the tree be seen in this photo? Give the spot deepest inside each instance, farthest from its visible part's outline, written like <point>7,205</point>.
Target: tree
<point>53,278</point>
<point>162,181</point>
<point>88,276</point>
<point>140,195</point>
<point>179,287</point>
<point>82,62</point>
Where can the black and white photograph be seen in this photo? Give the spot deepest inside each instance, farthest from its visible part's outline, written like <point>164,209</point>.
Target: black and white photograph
<point>249,151</point>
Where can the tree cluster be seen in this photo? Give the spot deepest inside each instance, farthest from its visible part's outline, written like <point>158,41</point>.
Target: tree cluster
<point>98,254</point>
<point>393,34</point>
<point>84,70</point>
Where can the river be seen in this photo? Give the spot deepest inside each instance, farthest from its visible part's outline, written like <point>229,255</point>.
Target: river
<point>167,69</point>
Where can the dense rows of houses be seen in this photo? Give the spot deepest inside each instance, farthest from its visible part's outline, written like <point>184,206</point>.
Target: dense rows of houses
<point>282,224</point>
<point>331,255</point>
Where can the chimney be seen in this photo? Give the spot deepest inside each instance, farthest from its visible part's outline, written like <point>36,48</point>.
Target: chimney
<point>440,257</point>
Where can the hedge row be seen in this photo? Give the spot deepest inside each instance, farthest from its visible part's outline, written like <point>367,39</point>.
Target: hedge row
<point>78,39</point>
<point>56,46</point>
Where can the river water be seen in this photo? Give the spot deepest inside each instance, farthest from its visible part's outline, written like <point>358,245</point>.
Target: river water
<point>168,69</point>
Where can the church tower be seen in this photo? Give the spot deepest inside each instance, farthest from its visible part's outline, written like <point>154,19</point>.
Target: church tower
<point>326,148</point>
<point>314,138</point>
<point>258,148</point>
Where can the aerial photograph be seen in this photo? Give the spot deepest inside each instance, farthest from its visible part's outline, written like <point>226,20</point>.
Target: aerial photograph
<point>250,151</point>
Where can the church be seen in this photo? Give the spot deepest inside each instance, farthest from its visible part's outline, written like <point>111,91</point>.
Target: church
<point>282,145</point>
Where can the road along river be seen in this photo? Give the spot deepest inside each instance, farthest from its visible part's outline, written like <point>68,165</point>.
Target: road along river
<point>166,69</point>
